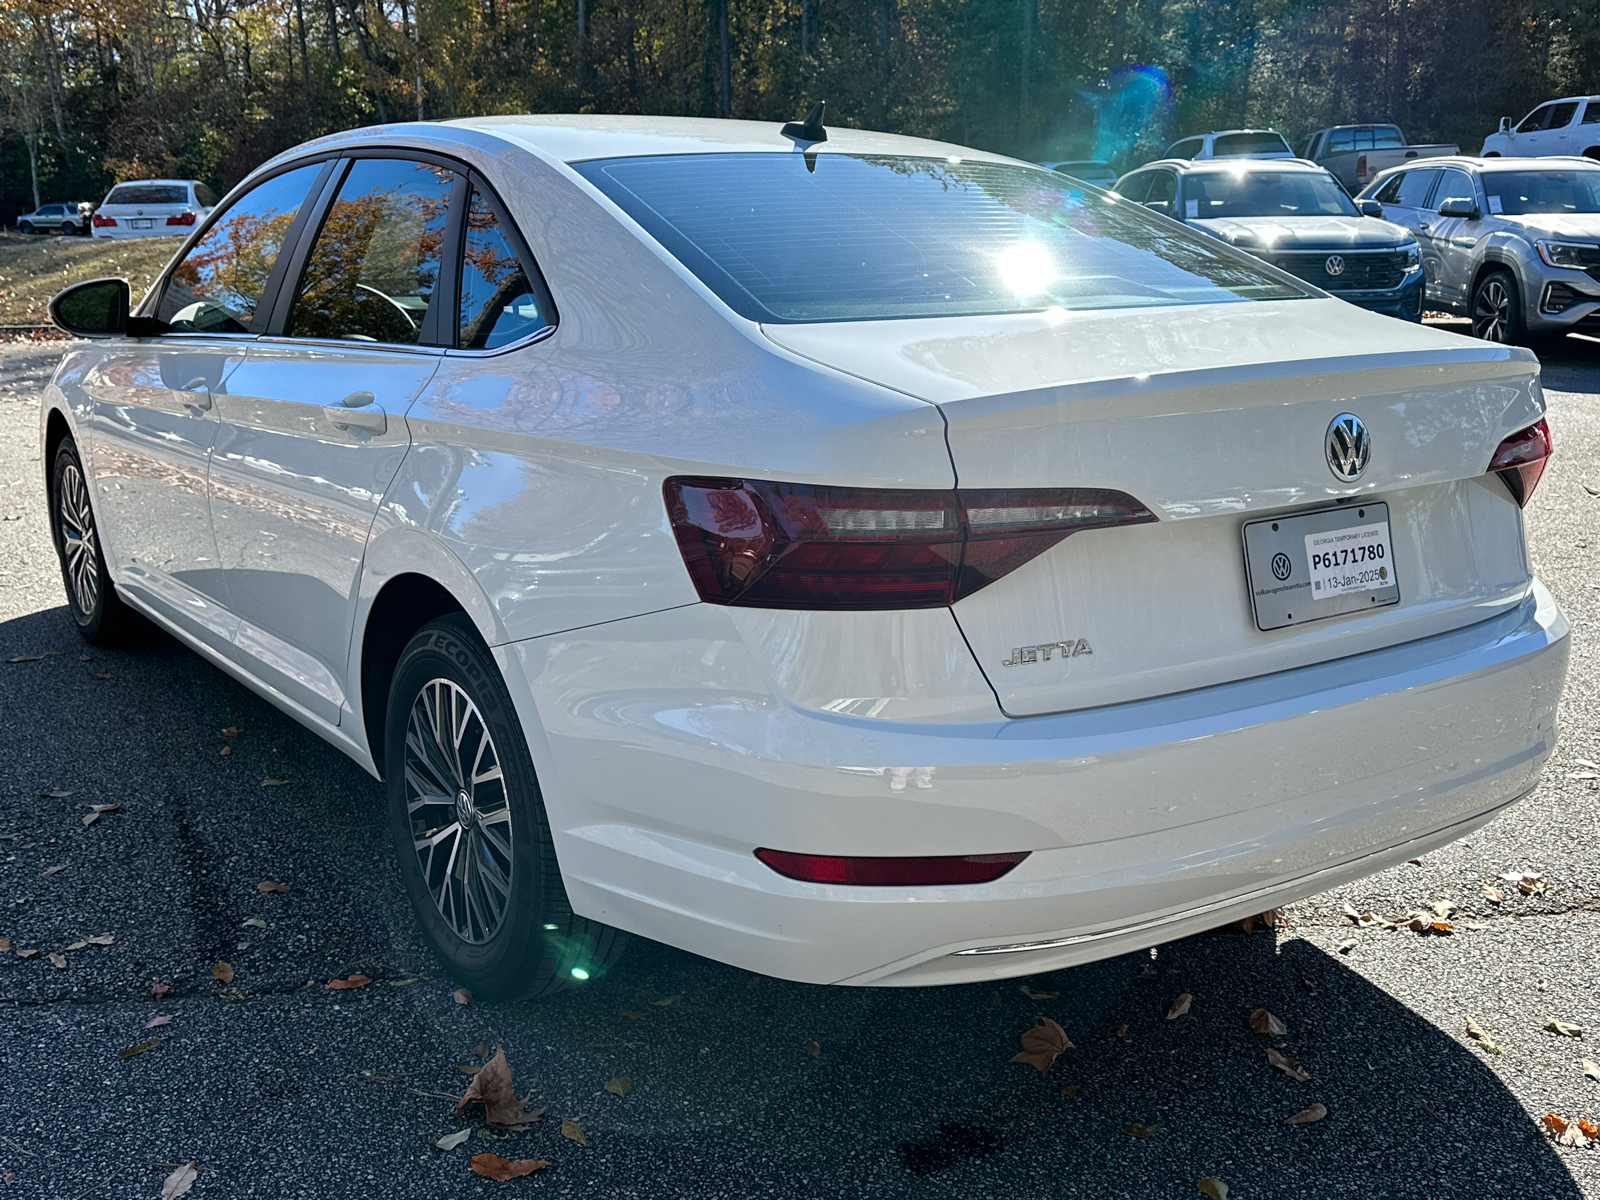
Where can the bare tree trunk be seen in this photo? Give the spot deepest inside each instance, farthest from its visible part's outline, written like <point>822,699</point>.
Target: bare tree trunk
<point>1119,34</point>
<point>333,34</point>
<point>365,48</point>
<point>305,55</point>
<point>31,135</point>
<point>580,53</point>
<point>727,59</point>
<point>46,33</point>
<point>1402,65</point>
<point>805,28</point>
<point>886,23</point>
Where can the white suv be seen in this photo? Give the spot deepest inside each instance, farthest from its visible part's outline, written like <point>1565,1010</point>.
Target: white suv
<point>1232,143</point>
<point>1567,126</point>
<point>153,208</point>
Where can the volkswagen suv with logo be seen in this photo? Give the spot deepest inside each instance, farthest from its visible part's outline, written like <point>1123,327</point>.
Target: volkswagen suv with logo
<point>1296,216</point>
<point>690,558</point>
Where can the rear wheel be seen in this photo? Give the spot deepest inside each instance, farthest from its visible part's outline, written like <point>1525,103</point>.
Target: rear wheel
<point>24,226</point>
<point>1497,308</point>
<point>69,229</point>
<point>100,614</point>
<point>468,820</point>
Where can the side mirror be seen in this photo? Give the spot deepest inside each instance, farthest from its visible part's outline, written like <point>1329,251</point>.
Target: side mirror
<point>1164,207</point>
<point>96,308</point>
<point>1505,125</point>
<point>1370,208</point>
<point>1459,208</point>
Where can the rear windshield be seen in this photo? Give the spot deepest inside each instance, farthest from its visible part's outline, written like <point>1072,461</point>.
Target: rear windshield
<point>148,193</point>
<point>1522,192</point>
<point>1249,143</point>
<point>834,237</point>
<point>1265,194</point>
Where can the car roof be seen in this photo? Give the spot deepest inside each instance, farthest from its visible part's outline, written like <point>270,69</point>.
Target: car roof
<point>1490,165</point>
<point>1185,165</point>
<point>178,182</point>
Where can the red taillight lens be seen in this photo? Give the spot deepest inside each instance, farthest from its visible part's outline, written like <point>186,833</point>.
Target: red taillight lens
<point>891,872</point>
<point>186,218</point>
<point>1520,460</point>
<point>1361,164</point>
<point>100,222</point>
<point>789,545</point>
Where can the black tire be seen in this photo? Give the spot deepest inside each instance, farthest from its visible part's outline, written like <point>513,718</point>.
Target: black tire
<point>1496,309</point>
<point>69,229</point>
<point>100,614</point>
<point>446,680</point>
<point>25,227</point>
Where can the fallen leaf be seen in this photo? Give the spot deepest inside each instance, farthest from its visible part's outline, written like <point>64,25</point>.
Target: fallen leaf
<point>1562,1029</point>
<point>225,751</point>
<point>55,794</point>
<point>134,1051</point>
<point>223,972</point>
<point>179,1182</point>
<point>273,782</point>
<point>101,939</point>
<point>491,1087</point>
<point>267,885</point>
<point>994,999</point>
<point>813,1049</point>
<point>58,961</point>
<point>1180,1006</point>
<point>1272,918</point>
<point>1307,1115</point>
<point>1415,862</point>
<point>103,675</point>
<point>231,731</point>
<point>1481,1035</point>
<point>1033,995</point>
<point>1590,1129</point>
<point>1070,1090</point>
<point>1493,894</point>
<point>1213,1187</point>
<point>620,1085</point>
<point>49,871</point>
<point>78,945</point>
<point>451,1140</point>
<point>1288,1066</point>
<point>753,980</point>
<point>254,923</point>
<point>571,1129</point>
<point>483,1051</point>
<point>1443,908</point>
<point>156,1022</point>
<point>631,1014</point>
<point>1591,1069</point>
<point>492,1166</point>
<point>1248,924</point>
<point>22,658</point>
<point>667,1001</point>
<point>354,981</point>
<point>1117,1030</point>
<point>159,990</point>
<point>1309,985</point>
<point>461,996</point>
<point>5,945</point>
<point>1264,1022</point>
<point>1140,1131</point>
<point>1568,1133</point>
<point>470,1070</point>
<point>1043,1044</point>
<point>28,953</point>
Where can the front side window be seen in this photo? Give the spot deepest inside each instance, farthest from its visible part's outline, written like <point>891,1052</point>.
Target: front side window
<point>1390,190</point>
<point>1301,193</point>
<point>1341,140</point>
<point>1233,144</point>
<point>498,303</point>
<point>1414,188</point>
<point>373,269</point>
<point>845,237</point>
<point>1518,193</point>
<point>219,283</point>
<point>1135,186</point>
<point>1454,185</point>
<point>1387,137</point>
<point>1163,188</point>
<point>1535,119</point>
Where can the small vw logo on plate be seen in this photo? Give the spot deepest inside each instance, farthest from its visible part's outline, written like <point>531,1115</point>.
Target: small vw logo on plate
<point>1335,264</point>
<point>1281,566</point>
<point>1349,447</point>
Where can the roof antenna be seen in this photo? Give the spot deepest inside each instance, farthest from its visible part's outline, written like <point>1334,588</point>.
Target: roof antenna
<point>809,130</point>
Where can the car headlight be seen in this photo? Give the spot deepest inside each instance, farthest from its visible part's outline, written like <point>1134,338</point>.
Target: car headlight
<point>1413,256</point>
<point>1569,254</point>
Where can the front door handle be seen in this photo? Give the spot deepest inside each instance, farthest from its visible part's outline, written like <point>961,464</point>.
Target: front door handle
<point>202,390</point>
<point>374,420</point>
<point>357,400</point>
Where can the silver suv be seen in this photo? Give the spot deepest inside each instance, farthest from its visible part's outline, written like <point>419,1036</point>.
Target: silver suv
<point>1512,243</point>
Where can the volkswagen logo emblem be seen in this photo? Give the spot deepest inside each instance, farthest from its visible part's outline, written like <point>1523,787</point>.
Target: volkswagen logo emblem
<point>1349,447</point>
<point>1335,264</point>
<point>1281,567</point>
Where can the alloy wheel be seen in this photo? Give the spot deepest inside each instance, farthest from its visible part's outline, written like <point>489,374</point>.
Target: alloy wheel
<point>1491,315</point>
<point>459,812</point>
<point>80,545</point>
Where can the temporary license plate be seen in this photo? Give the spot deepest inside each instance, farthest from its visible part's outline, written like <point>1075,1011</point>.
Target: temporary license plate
<point>1323,564</point>
<point>144,224</point>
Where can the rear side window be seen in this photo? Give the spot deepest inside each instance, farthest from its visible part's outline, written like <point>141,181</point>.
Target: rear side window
<point>148,193</point>
<point>218,284</point>
<point>204,196</point>
<point>1591,113</point>
<point>1561,115</point>
<point>1249,143</point>
<point>498,302</point>
<point>375,265</point>
<point>1414,189</point>
<point>836,237</point>
<point>1187,148</point>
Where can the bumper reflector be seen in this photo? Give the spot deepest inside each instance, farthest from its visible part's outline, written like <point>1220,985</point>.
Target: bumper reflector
<point>891,872</point>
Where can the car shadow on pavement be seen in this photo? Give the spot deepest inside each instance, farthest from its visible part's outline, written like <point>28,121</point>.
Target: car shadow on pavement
<point>738,1086</point>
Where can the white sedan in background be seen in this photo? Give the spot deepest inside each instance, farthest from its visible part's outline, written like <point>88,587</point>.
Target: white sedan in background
<point>859,559</point>
<point>153,208</point>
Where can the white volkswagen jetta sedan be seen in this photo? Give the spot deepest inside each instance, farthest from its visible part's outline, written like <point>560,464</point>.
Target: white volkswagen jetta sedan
<point>858,559</point>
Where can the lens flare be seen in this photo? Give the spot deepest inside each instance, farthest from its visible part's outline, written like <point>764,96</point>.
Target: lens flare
<point>1026,268</point>
<point>579,973</point>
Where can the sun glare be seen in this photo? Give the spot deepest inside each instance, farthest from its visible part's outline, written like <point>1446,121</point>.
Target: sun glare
<point>1026,268</point>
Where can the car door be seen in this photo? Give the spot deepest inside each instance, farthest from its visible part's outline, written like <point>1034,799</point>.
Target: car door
<point>154,419</point>
<point>1406,202</point>
<point>1163,194</point>
<point>1449,243</point>
<point>313,425</point>
<point>1551,133</point>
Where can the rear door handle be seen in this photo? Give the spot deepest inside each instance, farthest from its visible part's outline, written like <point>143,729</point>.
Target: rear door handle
<point>201,391</point>
<point>375,420</point>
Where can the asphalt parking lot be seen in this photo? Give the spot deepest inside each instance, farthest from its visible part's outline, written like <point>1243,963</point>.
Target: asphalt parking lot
<point>276,1086</point>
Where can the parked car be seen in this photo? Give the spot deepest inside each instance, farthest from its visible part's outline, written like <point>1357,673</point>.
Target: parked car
<point>1046,581</point>
<point>1356,153</point>
<point>69,219</point>
<point>1086,170</point>
<point>1231,143</point>
<point>1295,216</point>
<point>1557,127</point>
<point>153,208</point>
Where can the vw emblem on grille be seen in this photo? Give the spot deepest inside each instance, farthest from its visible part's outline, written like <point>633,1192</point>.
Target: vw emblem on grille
<point>1349,447</point>
<point>1335,264</point>
<point>1281,567</point>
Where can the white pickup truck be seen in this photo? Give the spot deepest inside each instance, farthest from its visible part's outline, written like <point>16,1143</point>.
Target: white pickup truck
<point>1557,127</point>
<point>1356,153</point>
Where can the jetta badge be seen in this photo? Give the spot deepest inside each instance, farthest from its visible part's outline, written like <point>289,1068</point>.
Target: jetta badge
<point>1041,653</point>
<point>1335,264</point>
<point>1349,447</point>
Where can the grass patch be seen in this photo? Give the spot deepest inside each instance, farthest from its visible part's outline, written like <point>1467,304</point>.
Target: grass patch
<point>32,269</point>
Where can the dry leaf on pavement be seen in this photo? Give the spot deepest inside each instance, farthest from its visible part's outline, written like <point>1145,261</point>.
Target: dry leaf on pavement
<point>1033,995</point>
<point>1443,908</point>
<point>813,1048</point>
<point>155,1022</point>
<point>1288,1066</point>
<point>461,996</point>
<point>669,1000</point>
<point>1307,1115</point>
<point>1591,1068</point>
<point>159,990</point>
<point>631,1014</point>
<point>1493,894</point>
<point>49,871</point>
<point>1137,1130</point>
<point>1214,1188</point>
<point>1562,1029</point>
<point>1180,1006</point>
<point>354,981</point>
<point>27,954</point>
<point>96,811</point>
<point>5,945</point>
<point>222,972</point>
<point>102,939</point>
<point>451,1140</point>
<point>273,782</point>
<point>77,945</point>
<point>231,731</point>
<point>619,1086</point>
<point>1043,1044</point>
<point>1070,1090</point>
<point>58,961</point>
<point>179,1182</point>
<point>571,1129</point>
<point>267,885</point>
<point>1481,1035</point>
<point>492,1166</point>
<point>1264,1022</point>
<point>1568,1133</point>
<point>492,1088</point>
<point>133,1051</point>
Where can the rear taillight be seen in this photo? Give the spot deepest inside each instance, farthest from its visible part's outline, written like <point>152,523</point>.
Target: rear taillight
<point>100,222</point>
<point>184,218</point>
<point>929,871</point>
<point>1520,460</point>
<point>790,545</point>
<point>1361,165</point>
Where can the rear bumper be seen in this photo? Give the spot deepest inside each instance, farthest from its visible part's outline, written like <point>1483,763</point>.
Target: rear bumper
<point>1147,820</point>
